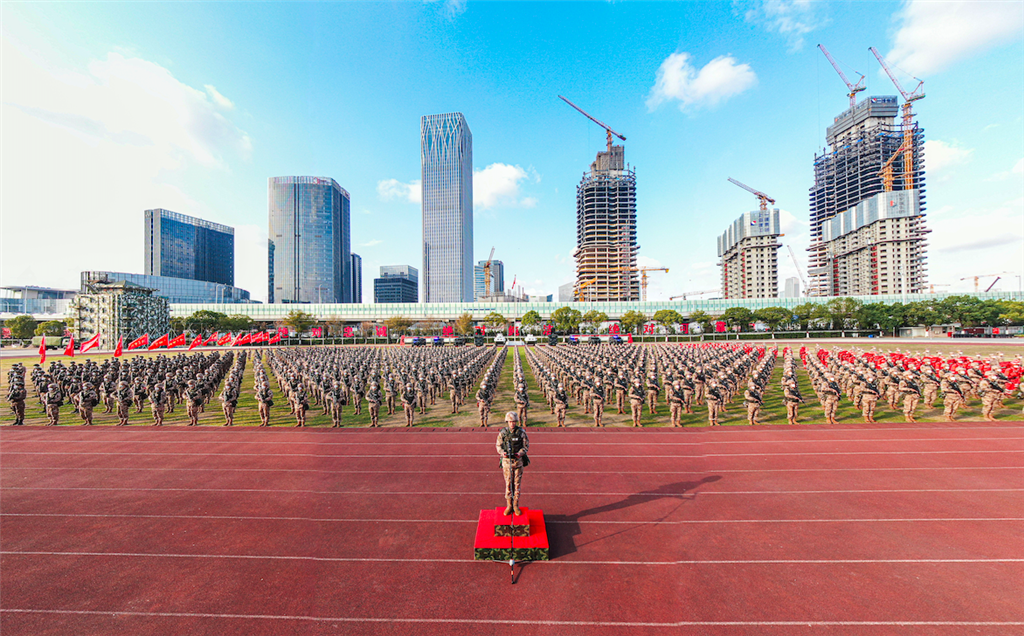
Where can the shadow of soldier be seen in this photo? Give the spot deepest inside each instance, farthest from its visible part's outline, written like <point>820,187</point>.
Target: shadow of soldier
<point>563,528</point>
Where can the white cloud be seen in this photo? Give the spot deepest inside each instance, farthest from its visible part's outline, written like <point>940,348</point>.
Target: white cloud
<point>498,185</point>
<point>963,243</point>
<point>790,18</point>
<point>1017,169</point>
<point>219,99</point>
<point>251,260</point>
<point>118,138</point>
<point>717,81</point>
<point>940,155</point>
<point>391,189</point>
<point>933,35</point>
<point>371,243</point>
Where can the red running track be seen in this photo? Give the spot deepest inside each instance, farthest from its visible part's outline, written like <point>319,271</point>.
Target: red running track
<point>856,530</point>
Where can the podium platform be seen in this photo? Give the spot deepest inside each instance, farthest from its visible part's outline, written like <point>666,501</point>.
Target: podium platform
<point>493,542</point>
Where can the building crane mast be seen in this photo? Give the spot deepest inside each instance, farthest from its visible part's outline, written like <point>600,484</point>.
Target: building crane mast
<point>608,130</point>
<point>761,196</point>
<point>643,278</point>
<point>694,293</point>
<point>908,119</point>
<point>487,274</point>
<point>799,272</point>
<point>853,88</point>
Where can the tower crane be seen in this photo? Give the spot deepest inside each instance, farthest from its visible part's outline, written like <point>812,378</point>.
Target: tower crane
<point>487,274</point>
<point>643,278</point>
<point>853,88</point>
<point>694,293</point>
<point>607,130</point>
<point>761,196</point>
<point>908,118</point>
<point>886,171</point>
<point>799,272</point>
<point>975,278</point>
<point>585,283</point>
<point>932,286</point>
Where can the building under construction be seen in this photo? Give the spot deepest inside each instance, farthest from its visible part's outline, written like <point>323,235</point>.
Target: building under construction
<point>748,248</point>
<point>606,247</point>
<point>866,206</point>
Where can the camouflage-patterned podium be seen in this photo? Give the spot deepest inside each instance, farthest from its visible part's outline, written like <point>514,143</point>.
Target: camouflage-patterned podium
<point>497,533</point>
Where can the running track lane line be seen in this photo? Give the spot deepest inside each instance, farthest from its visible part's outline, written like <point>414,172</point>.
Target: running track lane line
<point>539,471</point>
<point>485,621</point>
<point>492,455</point>
<point>549,521</point>
<point>687,494</point>
<point>260,557</point>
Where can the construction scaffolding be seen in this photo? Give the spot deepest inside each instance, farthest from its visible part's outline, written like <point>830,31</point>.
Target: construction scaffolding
<point>606,247</point>
<point>861,141</point>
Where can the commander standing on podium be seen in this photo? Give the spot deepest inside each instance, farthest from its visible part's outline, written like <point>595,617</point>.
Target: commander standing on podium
<point>512,447</point>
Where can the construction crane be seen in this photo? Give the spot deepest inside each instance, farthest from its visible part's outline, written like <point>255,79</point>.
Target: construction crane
<point>607,130</point>
<point>908,119</point>
<point>799,272</point>
<point>487,274</point>
<point>643,278</point>
<point>886,171</point>
<point>694,293</point>
<point>761,196</point>
<point>934,285</point>
<point>975,279</point>
<point>585,283</point>
<point>853,88</point>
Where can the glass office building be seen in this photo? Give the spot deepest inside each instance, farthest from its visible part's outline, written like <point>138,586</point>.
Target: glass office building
<point>397,284</point>
<point>497,278</point>
<point>310,252</point>
<point>446,151</point>
<point>183,246</point>
<point>175,290</point>
<point>357,278</point>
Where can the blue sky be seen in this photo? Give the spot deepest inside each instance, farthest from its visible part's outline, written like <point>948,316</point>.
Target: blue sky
<point>112,108</point>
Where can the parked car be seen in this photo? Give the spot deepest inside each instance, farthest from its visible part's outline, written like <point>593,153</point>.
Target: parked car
<point>531,339</point>
<point>500,339</point>
<point>594,340</point>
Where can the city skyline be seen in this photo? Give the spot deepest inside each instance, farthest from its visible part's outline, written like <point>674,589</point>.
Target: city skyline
<point>136,107</point>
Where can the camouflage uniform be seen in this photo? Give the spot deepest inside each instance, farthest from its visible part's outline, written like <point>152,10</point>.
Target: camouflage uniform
<point>516,441</point>
<point>754,401</point>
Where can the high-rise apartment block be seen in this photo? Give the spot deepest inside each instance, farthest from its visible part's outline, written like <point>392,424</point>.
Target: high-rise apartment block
<point>867,205</point>
<point>446,151</point>
<point>606,247</point>
<point>396,284</point>
<point>748,252</point>
<point>792,288</point>
<point>497,279</point>
<point>180,246</point>
<point>357,278</point>
<point>310,251</point>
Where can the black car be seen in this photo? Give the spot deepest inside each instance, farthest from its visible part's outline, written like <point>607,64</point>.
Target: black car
<point>594,340</point>
<point>419,341</point>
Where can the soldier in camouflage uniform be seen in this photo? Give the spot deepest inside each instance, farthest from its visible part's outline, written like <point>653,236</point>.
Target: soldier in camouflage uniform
<point>193,402</point>
<point>911,393</point>
<point>636,401</point>
<point>597,396</point>
<point>53,399</point>
<point>522,400</point>
<point>409,403</point>
<point>87,401</point>
<point>714,398</point>
<point>830,395</point>
<point>301,405</point>
<point>123,396</point>
<point>374,400</point>
<point>754,401</point>
<point>512,446</point>
<point>561,404</point>
<point>483,404</point>
<point>158,399</point>
<point>621,389</point>
<point>929,385</point>
<point>953,395</point>
<point>264,400</point>
<point>389,395</point>
<point>334,399</point>
<point>991,392</point>
<point>653,389</point>
<point>791,396</point>
<point>869,394</point>
<point>674,392</point>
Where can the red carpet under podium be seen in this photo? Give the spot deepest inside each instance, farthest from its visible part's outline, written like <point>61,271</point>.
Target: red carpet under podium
<point>529,536</point>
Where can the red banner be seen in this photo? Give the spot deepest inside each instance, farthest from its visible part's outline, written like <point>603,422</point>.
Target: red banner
<point>382,332</point>
<point>242,339</point>
<point>70,349</point>
<point>176,342</point>
<point>5,333</point>
<point>282,331</point>
<point>349,332</point>
<point>198,340</point>
<point>212,339</point>
<point>448,331</point>
<point>42,351</point>
<point>257,338</point>
<point>141,341</point>
<point>117,350</point>
<point>160,342</point>
<point>91,343</point>
<point>225,340</point>
<point>317,332</point>
<point>275,339</point>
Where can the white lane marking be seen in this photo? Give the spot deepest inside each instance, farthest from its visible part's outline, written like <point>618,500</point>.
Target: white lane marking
<point>538,455</point>
<point>538,471</point>
<point>547,520</point>
<point>280,557</point>
<point>377,493</point>
<point>549,623</point>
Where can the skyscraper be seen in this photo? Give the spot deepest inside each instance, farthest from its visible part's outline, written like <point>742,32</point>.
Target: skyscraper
<point>446,152</point>
<point>397,284</point>
<point>497,278</point>
<point>606,247</point>
<point>310,249</point>
<point>180,246</point>
<point>748,251</point>
<point>867,206</point>
<point>357,278</point>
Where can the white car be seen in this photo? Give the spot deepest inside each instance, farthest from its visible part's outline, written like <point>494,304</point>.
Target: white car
<point>530,339</point>
<point>499,339</point>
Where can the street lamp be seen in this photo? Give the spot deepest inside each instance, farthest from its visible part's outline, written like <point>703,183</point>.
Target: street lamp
<point>319,296</point>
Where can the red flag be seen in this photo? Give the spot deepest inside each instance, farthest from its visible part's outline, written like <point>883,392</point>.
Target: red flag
<point>159,342</point>
<point>118,351</point>
<point>91,343</point>
<point>257,338</point>
<point>241,340</point>
<point>70,349</point>
<point>198,340</point>
<point>275,339</point>
<point>5,332</point>
<point>629,337</point>
<point>176,342</point>
<point>212,339</point>
<point>42,351</point>
<point>223,341</point>
<point>141,341</point>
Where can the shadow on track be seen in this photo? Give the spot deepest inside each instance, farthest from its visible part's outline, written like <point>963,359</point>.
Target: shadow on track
<point>563,528</point>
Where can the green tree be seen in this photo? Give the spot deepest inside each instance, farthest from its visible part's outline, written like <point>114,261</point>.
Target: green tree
<point>840,312</point>
<point>397,325</point>
<point>239,322</point>
<point>495,320</point>
<point>1012,311</point>
<point>594,318</point>
<point>22,327</point>
<point>531,318</point>
<point>205,320</point>
<point>632,320</point>
<point>50,328</point>
<point>774,317</point>
<point>804,314</point>
<point>668,318</point>
<point>297,321</point>
<point>882,316</point>
<point>703,319</point>
<point>567,319</point>
<point>464,324</point>
<point>738,317</point>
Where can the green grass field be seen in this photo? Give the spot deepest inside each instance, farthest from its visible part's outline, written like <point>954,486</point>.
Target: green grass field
<point>439,415</point>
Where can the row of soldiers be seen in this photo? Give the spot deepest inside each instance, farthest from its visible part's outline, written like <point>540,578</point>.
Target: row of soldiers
<point>488,382</point>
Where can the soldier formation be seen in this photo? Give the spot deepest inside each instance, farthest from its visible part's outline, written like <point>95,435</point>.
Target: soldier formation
<point>591,376</point>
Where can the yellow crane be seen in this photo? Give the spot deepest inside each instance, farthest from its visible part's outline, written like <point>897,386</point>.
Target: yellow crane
<point>607,130</point>
<point>585,283</point>
<point>643,278</point>
<point>934,285</point>
<point>763,198</point>
<point>694,293</point>
<point>908,119</point>
<point>975,278</point>
<point>487,274</point>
